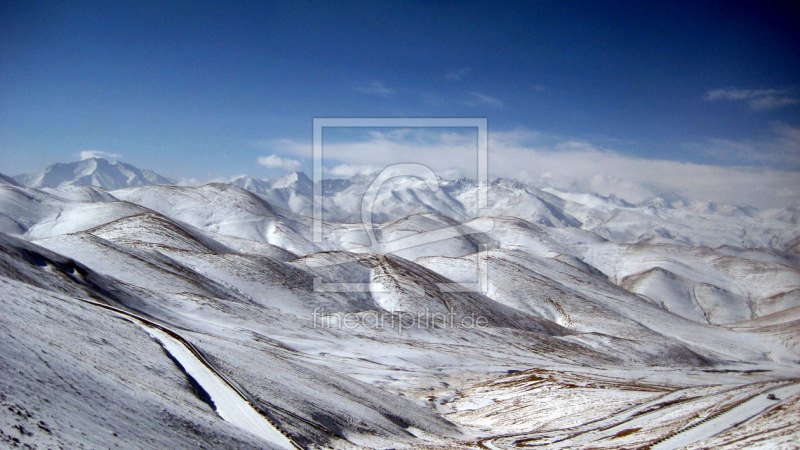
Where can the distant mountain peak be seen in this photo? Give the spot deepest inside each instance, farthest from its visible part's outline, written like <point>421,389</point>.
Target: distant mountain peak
<point>93,172</point>
<point>292,179</point>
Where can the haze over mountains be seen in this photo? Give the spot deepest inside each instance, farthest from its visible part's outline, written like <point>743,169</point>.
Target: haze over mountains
<point>143,312</point>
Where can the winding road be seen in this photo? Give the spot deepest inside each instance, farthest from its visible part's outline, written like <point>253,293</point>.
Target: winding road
<point>229,402</point>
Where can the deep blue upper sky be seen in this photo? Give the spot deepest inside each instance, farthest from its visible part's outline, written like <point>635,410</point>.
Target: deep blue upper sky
<point>196,88</point>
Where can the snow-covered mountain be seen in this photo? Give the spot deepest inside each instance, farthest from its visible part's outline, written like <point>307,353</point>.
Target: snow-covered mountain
<point>292,191</point>
<point>92,172</point>
<point>174,316</point>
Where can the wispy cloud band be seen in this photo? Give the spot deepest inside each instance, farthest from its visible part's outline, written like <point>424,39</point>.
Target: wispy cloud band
<point>376,87</point>
<point>757,99</point>
<point>478,99</point>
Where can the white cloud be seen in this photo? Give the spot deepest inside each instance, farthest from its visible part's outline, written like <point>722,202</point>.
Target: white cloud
<point>772,102</point>
<point>477,99</point>
<point>569,164</point>
<point>88,154</point>
<point>349,170</point>
<point>757,99</point>
<point>459,74</point>
<point>276,162</point>
<point>376,88</point>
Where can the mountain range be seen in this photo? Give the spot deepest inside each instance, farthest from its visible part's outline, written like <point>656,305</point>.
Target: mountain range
<point>142,313</point>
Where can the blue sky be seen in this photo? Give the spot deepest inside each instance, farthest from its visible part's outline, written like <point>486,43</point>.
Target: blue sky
<point>205,89</point>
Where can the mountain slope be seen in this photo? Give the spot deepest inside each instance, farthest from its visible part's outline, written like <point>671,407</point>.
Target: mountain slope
<point>72,376</point>
<point>226,209</point>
